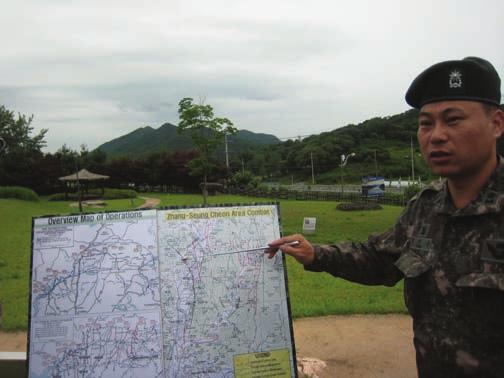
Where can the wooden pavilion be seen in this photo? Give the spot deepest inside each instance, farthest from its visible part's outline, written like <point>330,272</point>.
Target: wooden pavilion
<point>82,179</point>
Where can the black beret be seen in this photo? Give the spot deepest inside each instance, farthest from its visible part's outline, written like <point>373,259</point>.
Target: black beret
<point>471,78</point>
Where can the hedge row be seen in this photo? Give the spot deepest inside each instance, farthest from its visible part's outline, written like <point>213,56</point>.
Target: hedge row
<point>18,192</point>
<point>95,193</point>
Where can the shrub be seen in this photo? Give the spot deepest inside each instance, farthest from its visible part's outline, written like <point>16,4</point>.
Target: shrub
<point>18,192</point>
<point>265,190</point>
<point>61,196</point>
<point>119,193</point>
<point>244,180</point>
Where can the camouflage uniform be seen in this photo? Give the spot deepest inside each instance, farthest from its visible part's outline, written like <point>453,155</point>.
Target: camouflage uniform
<point>452,262</point>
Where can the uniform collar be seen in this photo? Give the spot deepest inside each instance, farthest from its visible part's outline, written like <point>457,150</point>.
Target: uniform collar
<point>489,200</point>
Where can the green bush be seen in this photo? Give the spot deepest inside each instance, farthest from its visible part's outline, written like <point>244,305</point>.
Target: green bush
<point>18,192</point>
<point>61,196</point>
<point>245,180</point>
<point>119,193</point>
<point>265,189</point>
<point>108,194</point>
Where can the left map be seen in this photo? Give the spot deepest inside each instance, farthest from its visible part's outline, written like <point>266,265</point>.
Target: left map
<point>95,306</point>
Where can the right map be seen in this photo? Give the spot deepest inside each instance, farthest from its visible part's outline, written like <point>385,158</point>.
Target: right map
<point>224,303</point>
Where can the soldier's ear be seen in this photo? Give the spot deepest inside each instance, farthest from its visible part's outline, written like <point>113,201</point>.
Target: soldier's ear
<point>497,119</point>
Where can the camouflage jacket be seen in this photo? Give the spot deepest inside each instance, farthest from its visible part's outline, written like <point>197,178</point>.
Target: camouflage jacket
<point>452,262</point>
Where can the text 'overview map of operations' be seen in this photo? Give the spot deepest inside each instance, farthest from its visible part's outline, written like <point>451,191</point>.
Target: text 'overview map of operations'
<point>166,293</point>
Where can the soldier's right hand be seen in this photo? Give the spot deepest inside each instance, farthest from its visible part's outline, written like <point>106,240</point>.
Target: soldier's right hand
<point>303,252</point>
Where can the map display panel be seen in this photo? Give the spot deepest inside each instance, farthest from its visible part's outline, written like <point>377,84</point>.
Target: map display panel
<point>169,293</point>
<point>221,297</point>
<point>95,304</point>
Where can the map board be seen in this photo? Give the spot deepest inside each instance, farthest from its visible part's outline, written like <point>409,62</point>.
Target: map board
<point>159,293</point>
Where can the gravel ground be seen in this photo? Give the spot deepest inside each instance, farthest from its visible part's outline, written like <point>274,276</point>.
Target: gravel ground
<point>334,346</point>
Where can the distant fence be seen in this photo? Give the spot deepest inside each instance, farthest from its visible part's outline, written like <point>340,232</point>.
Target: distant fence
<point>283,193</point>
<point>345,188</point>
<point>396,199</point>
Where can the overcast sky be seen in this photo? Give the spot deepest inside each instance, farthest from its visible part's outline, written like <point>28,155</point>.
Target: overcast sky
<point>91,71</point>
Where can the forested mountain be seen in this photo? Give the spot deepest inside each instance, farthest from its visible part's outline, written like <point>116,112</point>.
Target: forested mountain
<point>382,146</point>
<point>146,140</point>
<point>386,138</point>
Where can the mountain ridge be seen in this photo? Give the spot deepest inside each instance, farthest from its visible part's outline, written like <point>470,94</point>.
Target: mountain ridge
<point>146,140</point>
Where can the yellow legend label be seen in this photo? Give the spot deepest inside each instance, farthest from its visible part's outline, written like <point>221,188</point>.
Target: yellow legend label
<point>275,363</point>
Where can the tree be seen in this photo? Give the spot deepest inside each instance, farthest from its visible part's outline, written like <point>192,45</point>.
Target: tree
<point>18,161</point>
<point>173,168</point>
<point>16,132</point>
<point>207,132</point>
<point>96,160</point>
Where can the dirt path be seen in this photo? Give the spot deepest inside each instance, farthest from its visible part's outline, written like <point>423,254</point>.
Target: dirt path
<point>13,342</point>
<point>149,203</point>
<point>358,345</point>
<point>350,346</point>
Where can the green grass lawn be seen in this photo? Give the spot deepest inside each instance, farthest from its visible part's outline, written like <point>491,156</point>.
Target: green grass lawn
<point>311,293</point>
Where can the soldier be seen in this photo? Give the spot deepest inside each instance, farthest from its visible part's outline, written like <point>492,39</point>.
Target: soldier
<point>448,244</point>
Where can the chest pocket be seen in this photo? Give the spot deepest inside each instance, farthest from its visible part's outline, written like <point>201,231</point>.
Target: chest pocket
<point>419,253</point>
<point>491,275</point>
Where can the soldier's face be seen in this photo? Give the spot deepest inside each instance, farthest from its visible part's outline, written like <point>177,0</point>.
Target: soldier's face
<point>458,138</point>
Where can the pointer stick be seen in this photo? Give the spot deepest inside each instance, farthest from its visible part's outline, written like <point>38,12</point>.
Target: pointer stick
<point>294,243</point>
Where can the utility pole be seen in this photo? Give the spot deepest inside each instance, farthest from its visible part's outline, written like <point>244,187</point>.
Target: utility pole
<point>79,188</point>
<point>227,152</point>
<point>243,166</point>
<point>312,171</point>
<point>341,175</point>
<point>375,164</point>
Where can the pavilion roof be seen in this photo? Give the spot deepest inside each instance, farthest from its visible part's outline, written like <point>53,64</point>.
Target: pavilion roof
<point>83,174</point>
